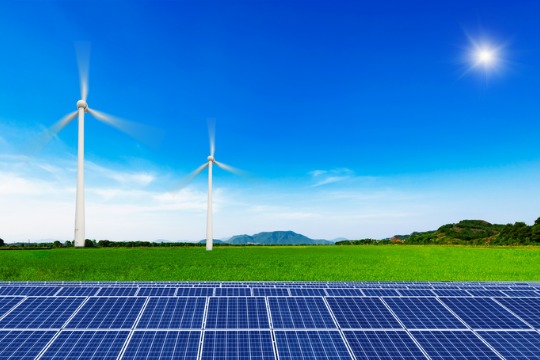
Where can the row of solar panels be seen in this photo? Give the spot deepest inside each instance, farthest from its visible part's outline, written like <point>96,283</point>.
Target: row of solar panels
<point>256,291</point>
<point>269,345</point>
<point>268,313</point>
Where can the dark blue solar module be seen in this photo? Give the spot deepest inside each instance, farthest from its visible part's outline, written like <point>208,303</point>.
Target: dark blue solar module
<point>388,345</point>
<point>362,313</point>
<point>237,313</point>
<point>514,344</point>
<point>483,313</point>
<point>453,345</point>
<point>237,345</point>
<point>41,313</point>
<point>173,313</point>
<point>423,313</point>
<point>305,345</point>
<point>86,345</point>
<point>107,313</point>
<point>297,313</point>
<point>182,345</point>
<point>23,344</point>
<point>274,320</point>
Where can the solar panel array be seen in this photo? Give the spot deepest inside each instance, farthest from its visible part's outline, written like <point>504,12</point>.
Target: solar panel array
<point>269,320</point>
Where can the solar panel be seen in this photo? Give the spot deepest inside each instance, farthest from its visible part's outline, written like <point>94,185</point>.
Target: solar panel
<point>28,290</point>
<point>160,291</point>
<point>107,313</point>
<point>486,293</point>
<point>23,344</point>
<point>233,292</point>
<point>362,313</point>
<point>423,313</point>
<point>415,292</point>
<point>77,291</point>
<point>380,292</point>
<point>526,308</point>
<point>8,303</point>
<point>307,292</point>
<point>483,313</point>
<point>344,292</point>
<point>118,291</point>
<point>173,313</point>
<point>383,345</point>
<point>520,293</point>
<point>237,345</point>
<point>300,312</point>
<point>453,345</point>
<point>195,291</point>
<point>311,345</point>
<point>453,292</point>
<point>270,292</point>
<point>237,313</point>
<point>41,313</point>
<point>163,345</point>
<point>86,345</point>
<point>514,344</point>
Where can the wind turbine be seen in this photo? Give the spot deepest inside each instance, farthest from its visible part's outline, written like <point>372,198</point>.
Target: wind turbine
<point>82,108</point>
<point>210,162</point>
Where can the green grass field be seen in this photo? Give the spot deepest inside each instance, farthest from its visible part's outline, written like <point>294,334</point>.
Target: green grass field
<point>295,263</point>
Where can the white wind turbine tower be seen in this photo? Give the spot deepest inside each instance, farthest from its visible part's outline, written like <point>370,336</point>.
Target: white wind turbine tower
<point>211,161</point>
<point>82,108</point>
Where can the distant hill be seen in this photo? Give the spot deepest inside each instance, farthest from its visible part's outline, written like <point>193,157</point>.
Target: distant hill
<point>273,238</point>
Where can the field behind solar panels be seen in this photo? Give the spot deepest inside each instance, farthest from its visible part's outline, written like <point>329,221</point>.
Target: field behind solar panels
<point>279,263</point>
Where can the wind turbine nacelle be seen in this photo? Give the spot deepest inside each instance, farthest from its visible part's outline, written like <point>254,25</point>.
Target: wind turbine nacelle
<point>211,158</point>
<point>82,104</point>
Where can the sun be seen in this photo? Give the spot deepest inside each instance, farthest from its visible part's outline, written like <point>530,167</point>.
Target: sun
<point>486,57</point>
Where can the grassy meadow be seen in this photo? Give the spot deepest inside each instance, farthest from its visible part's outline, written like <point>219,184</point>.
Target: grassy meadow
<point>279,263</point>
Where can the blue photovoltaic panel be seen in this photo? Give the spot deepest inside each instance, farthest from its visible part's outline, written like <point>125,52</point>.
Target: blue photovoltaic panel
<point>380,292</point>
<point>270,292</point>
<point>486,293</point>
<point>8,303</point>
<point>237,313</point>
<point>161,291</point>
<point>118,291</point>
<point>526,308</point>
<point>483,313</point>
<point>514,344</point>
<point>233,292</point>
<point>307,292</point>
<point>182,345</point>
<point>423,313</point>
<point>237,345</point>
<point>29,290</point>
<point>344,292</point>
<point>78,291</point>
<point>453,345</point>
<point>297,312</point>
<point>22,345</point>
<point>415,292</point>
<point>173,313</point>
<point>362,313</point>
<point>295,345</point>
<point>107,313</point>
<point>41,312</point>
<point>195,291</point>
<point>86,345</point>
<point>520,293</point>
<point>388,345</point>
<point>453,292</point>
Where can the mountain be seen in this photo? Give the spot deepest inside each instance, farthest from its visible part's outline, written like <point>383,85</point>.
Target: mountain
<point>274,238</point>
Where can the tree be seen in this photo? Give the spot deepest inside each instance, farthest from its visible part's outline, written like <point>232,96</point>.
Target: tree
<point>57,244</point>
<point>68,243</point>
<point>2,242</point>
<point>88,243</point>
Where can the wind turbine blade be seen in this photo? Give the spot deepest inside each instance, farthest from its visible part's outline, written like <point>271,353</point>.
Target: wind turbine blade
<point>83,60</point>
<point>212,135</point>
<point>140,132</point>
<point>229,168</point>
<point>192,175</point>
<point>48,134</point>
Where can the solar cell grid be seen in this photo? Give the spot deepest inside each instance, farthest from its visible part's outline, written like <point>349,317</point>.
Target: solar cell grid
<point>307,292</point>
<point>29,290</point>
<point>514,344</point>
<point>362,313</point>
<point>160,291</point>
<point>237,345</point>
<point>107,313</point>
<point>520,293</point>
<point>22,345</point>
<point>388,345</point>
<point>86,345</point>
<point>270,292</point>
<point>233,292</point>
<point>486,293</point>
<point>526,308</point>
<point>380,292</point>
<point>77,291</point>
<point>298,312</point>
<point>173,313</point>
<point>237,313</point>
<point>415,292</point>
<point>453,345</point>
<point>8,303</point>
<point>41,313</point>
<point>483,313</point>
<point>423,313</point>
<point>451,292</point>
<point>311,345</point>
<point>195,291</point>
<point>344,292</point>
<point>118,291</point>
<point>181,345</point>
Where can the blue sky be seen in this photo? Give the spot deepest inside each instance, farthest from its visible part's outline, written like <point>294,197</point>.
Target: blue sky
<point>354,119</point>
